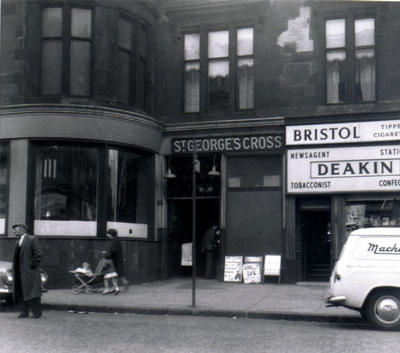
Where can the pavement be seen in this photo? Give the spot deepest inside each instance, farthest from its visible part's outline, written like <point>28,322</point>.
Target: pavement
<point>301,301</point>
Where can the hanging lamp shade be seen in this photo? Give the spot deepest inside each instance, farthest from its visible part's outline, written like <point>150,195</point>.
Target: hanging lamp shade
<point>214,171</point>
<point>169,174</point>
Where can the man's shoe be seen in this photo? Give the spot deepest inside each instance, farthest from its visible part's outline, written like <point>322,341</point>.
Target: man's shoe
<point>22,316</point>
<point>36,316</point>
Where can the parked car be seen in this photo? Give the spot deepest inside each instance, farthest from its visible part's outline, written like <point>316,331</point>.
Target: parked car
<point>366,277</point>
<point>6,280</point>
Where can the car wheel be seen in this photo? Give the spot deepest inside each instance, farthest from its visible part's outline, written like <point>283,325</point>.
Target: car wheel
<point>382,309</point>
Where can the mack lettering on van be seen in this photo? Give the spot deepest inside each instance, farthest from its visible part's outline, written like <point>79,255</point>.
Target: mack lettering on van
<point>383,250</point>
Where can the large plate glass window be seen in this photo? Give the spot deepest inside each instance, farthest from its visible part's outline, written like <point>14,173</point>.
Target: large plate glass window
<point>126,193</point>
<point>65,197</point>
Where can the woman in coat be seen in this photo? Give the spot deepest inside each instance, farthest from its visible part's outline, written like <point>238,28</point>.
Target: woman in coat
<point>116,254</point>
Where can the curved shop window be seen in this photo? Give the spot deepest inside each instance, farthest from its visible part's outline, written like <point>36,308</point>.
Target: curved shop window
<point>83,190</point>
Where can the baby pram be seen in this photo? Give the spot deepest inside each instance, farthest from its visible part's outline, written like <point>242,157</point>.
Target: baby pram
<point>87,281</point>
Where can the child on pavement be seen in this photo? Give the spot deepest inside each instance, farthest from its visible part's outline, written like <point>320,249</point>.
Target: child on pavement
<point>110,277</point>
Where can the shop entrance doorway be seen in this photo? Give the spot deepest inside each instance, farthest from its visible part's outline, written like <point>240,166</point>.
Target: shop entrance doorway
<point>316,244</point>
<point>180,232</point>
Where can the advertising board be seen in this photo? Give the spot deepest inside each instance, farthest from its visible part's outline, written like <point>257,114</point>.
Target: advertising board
<point>366,131</point>
<point>343,169</point>
<point>233,268</point>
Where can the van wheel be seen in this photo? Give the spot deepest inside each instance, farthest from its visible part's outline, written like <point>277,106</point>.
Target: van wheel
<point>382,309</point>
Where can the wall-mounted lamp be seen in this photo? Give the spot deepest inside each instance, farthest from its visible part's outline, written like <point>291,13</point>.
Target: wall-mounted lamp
<point>169,174</point>
<point>214,171</point>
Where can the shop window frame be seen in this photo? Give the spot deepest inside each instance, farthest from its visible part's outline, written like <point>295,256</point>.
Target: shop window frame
<point>101,202</point>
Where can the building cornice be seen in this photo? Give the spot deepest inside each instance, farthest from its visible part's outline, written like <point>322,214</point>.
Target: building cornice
<point>224,124</point>
<point>81,110</point>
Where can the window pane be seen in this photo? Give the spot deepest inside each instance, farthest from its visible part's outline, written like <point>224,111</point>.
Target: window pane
<point>365,75</point>
<point>218,44</point>
<point>141,83</point>
<point>365,31</point>
<point>256,172</point>
<point>192,87</point>
<point>51,67</point>
<point>246,83</point>
<point>123,77</point>
<point>143,41</point>
<point>206,185</point>
<point>123,196</point>
<point>66,190</point>
<point>218,84</point>
<point>245,41</point>
<point>80,68</point>
<point>3,186</point>
<point>81,23</point>
<point>335,33</point>
<point>336,72</point>
<point>372,213</point>
<point>52,19</point>
<point>124,34</point>
<point>192,46</point>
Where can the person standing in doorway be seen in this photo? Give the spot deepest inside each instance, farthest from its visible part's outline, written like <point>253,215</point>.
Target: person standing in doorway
<point>116,255</point>
<point>208,242</point>
<point>26,272</point>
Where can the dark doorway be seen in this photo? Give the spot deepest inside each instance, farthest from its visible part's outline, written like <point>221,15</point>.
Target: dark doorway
<point>180,232</point>
<point>316,242</point>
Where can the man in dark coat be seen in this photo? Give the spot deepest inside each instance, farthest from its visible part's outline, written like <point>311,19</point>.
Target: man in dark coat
<point>208,242</point>
<point>26,272</point>
<point>116,254</point>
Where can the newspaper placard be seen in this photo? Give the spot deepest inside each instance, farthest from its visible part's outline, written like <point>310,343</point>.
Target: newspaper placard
<point>186,257</point>
<point>252,273</point>
<point>233,268</point>
<point>272,265</point>
<point>248,259</point>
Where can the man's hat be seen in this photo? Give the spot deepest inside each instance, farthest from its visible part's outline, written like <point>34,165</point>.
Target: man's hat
<point>22,225</point>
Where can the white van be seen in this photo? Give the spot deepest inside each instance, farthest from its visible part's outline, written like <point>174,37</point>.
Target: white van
<point>366,277</point>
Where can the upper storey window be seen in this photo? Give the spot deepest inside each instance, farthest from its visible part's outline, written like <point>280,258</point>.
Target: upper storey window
<point>218,70</point>
<point>66,33</point>
<point>350,48</point>
<point>245,65</point>
<point>124,60</point>
<point>228,74</point>
<point>192,73</point>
